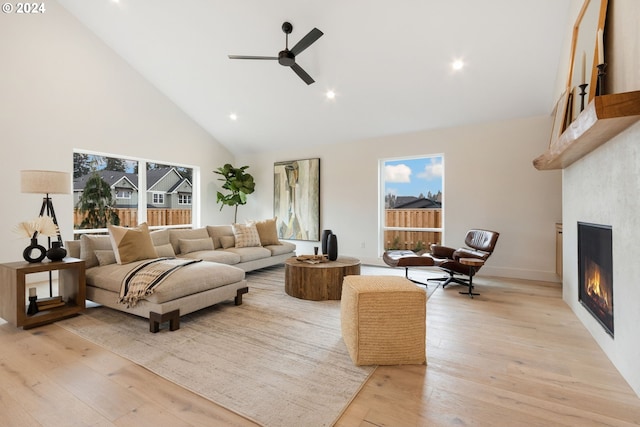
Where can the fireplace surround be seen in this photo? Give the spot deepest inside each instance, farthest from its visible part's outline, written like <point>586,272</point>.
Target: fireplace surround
<point>595,272</point>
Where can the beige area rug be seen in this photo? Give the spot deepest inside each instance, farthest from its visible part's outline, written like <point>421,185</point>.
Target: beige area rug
<point>277,360</point>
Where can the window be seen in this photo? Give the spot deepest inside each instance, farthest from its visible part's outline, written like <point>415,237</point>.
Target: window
<point>411,208</point>
<point>116,190</point>
<point>158,198</point>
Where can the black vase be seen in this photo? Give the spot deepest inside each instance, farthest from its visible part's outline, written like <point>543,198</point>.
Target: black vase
<point>332,247</point>
<point>57,252</point>
<point>324,238</point>
<point>34,252</point>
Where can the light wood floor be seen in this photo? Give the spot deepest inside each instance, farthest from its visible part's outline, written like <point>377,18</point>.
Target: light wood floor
<point>514,356</point>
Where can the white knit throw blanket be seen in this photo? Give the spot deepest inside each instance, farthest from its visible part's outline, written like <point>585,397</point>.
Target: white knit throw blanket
<point>141,281</point>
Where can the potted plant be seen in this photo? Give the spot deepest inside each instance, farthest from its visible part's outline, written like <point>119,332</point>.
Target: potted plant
<point>238,183</point>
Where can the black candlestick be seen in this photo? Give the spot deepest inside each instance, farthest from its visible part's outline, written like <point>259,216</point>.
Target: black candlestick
<point>601,74</point>
<point>33,306</point>
<point>583,92</point>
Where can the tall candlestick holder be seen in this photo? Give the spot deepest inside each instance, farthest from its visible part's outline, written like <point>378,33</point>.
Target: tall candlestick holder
<point>601,74</point>
<point>33,306</point>
<point>583,92</point>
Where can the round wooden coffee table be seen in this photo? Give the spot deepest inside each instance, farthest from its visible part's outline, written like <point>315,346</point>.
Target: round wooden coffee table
<point>318,282</point>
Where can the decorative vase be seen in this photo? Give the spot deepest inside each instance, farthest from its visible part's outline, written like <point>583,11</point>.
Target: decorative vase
<point>324,237</point>
<point>57,252</point>
<point>332,247</point>
<point>34,252</point>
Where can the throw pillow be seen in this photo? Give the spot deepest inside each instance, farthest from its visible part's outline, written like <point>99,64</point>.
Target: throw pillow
<point>105,257</point>
<point>165,250</point>
<point>131,244</point>
<point>246,235</point>
<point>88,246</point>
<point>227,242</point>
<point>194,245</point>
<point>267,231</point>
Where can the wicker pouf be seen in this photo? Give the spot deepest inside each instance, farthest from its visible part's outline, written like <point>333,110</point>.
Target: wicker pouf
<point>383,320</point>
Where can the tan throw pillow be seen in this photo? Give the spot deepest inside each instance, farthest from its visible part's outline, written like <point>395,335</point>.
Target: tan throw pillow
<point>246,235</point>
<point>193,245</point>
<point>105,257</point>
<point>267,231</point>
<point>227,242</point>
<point>131,244</point>
<point>165,251</point>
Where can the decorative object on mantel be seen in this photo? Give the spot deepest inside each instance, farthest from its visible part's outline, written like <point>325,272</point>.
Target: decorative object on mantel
<point>601,74</point>
<point>605,117</point>
<point>583,92</point>
<point>30,229</point>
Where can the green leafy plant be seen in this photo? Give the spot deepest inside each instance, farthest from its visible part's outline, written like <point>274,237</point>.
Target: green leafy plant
<point>238,183</point>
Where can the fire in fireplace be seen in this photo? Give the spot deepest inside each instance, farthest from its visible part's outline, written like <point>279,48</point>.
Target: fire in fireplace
<point>595,271</point>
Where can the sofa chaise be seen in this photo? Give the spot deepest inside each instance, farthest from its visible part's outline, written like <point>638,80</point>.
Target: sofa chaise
<point>223,253</point>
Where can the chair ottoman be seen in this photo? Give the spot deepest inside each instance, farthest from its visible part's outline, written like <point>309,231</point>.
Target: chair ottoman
<point>383,320</point>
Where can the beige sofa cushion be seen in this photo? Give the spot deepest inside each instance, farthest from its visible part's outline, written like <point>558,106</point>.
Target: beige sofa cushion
<point>194,245</point>
<point>176,234</point>
<point>89,244</point>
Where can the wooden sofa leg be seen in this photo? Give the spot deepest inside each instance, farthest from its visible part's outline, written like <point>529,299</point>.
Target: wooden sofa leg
<point>239,295</point>
<point>155,319</point>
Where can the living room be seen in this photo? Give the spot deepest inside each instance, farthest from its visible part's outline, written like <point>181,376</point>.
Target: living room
<point>63,88</point>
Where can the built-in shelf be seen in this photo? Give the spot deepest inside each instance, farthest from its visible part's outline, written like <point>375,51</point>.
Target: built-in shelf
<point>602,119</point>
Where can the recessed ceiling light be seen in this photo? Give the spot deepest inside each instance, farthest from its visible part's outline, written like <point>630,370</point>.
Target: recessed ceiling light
<point>457,65</point>
<point>233,116</point>
<point>330,94</point>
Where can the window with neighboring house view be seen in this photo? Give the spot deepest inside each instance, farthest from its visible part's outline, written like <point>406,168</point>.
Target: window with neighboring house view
<point>412,195</point>
<point>111,189</point>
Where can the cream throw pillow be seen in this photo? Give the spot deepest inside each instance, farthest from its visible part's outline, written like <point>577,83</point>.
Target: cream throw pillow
<point>267,231</point>
<point>227,242</point>
<point>246,235</point>
<point>131,244</point>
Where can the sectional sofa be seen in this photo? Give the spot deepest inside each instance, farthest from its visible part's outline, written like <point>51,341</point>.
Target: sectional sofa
<point>223,253</point>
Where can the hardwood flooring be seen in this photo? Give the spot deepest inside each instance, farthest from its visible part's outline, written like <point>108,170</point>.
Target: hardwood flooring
<point>514,356</point>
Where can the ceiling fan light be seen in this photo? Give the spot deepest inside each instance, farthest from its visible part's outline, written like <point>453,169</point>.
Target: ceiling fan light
<point>330,94</point>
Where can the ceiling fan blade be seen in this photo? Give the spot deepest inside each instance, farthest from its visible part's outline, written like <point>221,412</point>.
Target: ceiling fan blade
<point>302,74</point>
<point>252,57</point>
<point>307,41</point>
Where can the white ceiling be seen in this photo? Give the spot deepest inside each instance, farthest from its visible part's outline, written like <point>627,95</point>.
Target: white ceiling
<point>388,62</point>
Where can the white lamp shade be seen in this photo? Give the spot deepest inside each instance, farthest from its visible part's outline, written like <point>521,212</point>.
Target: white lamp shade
<point>45,182</point>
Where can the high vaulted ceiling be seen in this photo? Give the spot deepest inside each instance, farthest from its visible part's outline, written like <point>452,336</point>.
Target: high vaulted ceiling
<point>389,63</point>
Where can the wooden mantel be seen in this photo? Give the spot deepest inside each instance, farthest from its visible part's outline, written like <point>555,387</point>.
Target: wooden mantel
<point>604,117</point>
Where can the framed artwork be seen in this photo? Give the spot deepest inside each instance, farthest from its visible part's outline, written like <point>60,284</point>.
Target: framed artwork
<point>296,199</point>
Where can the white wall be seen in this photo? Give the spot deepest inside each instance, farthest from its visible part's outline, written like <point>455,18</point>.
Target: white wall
<point>603,188</point>
<point>64,89</point>
<point>489,183</point>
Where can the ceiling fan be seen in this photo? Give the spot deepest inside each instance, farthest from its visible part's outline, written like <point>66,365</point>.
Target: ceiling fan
<point>287,57</point>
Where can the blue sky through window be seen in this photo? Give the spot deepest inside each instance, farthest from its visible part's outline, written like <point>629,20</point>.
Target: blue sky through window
<point>413,176</point>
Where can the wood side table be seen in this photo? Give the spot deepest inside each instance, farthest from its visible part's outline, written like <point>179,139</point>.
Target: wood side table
<point>71,287</point>
<point>318,282</point>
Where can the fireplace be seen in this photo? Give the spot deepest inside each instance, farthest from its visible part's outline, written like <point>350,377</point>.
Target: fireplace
<point>595,272</point>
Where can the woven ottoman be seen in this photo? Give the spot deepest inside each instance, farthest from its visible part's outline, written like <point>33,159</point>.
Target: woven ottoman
<point>383,320</point>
